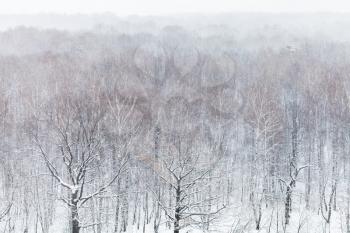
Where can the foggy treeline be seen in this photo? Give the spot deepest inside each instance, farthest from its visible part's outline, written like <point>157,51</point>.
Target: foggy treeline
<point>173,130</point>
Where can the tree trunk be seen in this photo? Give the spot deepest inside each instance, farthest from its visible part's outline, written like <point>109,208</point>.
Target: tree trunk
<point>99,215</point>
<point>320,161</point>
<point>288,205</point>
<point>308,182</point>
<point>157,215</point>
<point>75,218</point>
<point>177,209</point>
<point>116,217</point>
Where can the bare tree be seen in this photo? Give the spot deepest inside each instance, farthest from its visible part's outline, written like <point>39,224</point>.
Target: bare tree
<point>264,119</point>
<point>77,140</point>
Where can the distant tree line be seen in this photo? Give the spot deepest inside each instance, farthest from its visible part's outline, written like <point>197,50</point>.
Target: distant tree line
<point>172,129</point>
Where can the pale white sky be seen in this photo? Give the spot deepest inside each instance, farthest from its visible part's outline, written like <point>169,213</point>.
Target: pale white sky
<point>156,7</point>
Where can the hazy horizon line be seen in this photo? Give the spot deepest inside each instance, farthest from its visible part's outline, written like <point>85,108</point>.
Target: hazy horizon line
<point>190,13</point>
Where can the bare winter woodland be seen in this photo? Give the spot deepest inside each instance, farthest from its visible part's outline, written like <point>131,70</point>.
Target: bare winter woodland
<point>233,124</point>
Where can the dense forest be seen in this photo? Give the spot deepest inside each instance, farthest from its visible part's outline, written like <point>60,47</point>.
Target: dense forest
<point>174,130</point>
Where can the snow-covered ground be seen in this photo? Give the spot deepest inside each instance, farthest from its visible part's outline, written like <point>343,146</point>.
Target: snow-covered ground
<point>235,219</point>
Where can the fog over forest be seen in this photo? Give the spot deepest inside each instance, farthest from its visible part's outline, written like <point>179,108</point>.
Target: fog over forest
<point>187,123</point>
